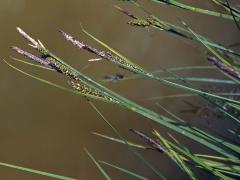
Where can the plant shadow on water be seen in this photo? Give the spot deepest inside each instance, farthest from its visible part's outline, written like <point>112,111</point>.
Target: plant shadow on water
<point>185,127</point>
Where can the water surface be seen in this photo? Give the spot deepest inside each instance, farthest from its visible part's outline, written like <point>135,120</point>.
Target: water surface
<point>45,128</point>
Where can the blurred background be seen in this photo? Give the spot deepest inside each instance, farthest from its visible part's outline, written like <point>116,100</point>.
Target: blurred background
<point>45,128</point>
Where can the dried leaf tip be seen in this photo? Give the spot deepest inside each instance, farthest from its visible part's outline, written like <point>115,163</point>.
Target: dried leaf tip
<point>33,42</point>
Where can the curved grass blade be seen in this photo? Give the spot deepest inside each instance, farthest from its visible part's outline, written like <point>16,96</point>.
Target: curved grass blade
<point>193,158</point>
<point>105,175</point>
<point>125,171</point>
<point>220,164</point>
<point>34,171</point>
<point>200,162</point>
<point>175,156</point>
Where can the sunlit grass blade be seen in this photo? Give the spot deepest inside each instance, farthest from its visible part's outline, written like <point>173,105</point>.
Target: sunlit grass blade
<point>220,164</point>
<point>105,175</point>
<point>175,156</point>
<point>195,159</point>
<point>177,142</point>
<point>130,173</point>
<point>34,171</point>
<point>199,162</point>
<point>212,161</point>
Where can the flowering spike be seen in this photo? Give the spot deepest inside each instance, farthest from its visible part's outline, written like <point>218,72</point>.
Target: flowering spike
<point>33,57</point>
<point>88,91</point>
<point>228,69</point>
<point>103,54</point>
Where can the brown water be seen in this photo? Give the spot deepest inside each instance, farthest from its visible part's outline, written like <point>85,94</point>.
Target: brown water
<point>45,128</point>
